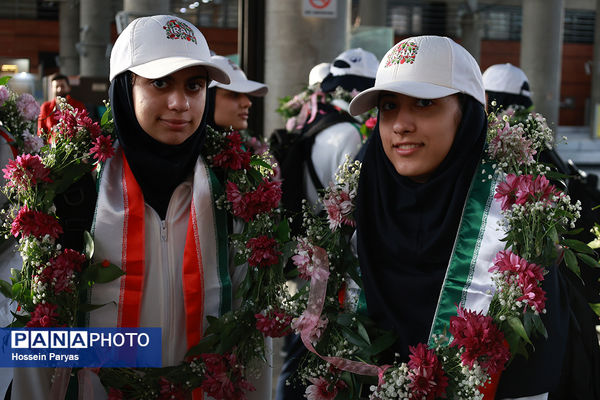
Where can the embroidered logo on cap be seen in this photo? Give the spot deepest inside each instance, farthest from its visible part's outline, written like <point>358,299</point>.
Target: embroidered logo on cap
<point>179,30</point>
<point>233,65</point>
<point>404,52</point>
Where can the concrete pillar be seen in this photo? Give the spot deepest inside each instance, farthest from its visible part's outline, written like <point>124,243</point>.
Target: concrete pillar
<point>68,16</point>
<point>471,30</point>
<point>147,7</point>
<point>372,12</point>
<point>541,54</point>
<point>294,45</point>
<point>94,38</point>
<point>595,94</point>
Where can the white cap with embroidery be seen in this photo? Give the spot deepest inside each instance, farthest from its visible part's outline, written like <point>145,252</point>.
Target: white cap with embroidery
<point>425,67</point>
<point>239,82</point>
<point>506,78</point>
<point>156,46</point>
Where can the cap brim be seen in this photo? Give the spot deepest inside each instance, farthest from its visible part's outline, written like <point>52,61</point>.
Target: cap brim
<point>165,66</point>
<point>249,87</point>
<point>366,100</point>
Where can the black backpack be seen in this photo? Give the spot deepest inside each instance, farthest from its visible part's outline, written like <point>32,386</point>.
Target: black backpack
<point>293,151</point>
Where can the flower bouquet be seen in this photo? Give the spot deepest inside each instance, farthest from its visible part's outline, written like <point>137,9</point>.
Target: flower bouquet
<point>18,120</point>
<point>47,288</point>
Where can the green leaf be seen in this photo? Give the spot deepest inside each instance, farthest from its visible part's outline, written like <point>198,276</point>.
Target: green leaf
<point>363,332</point>
<point>353,337</point>
<point>517,326</point>
<point>97,273</point>
<point>589,260</point>
<point>106,116</point>
<point>16,290</point>
<point>571,262</point>
<point>578,246</point>
<point>4,80</point>
<point>6,289</point>
<point>257,161</point>
<point>88,248</point>
<point>282,232</point>
<point>596,308</point>
<point>382,343</point>
<point>345,319</point>
<point>553,235</point>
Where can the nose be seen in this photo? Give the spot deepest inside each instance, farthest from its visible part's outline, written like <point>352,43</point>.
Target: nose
<point>404,121</point>
<point>178,101</point>
<point>246,102</point>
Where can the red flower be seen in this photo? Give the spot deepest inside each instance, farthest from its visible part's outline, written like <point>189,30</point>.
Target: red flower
<point>26,171</point>
<point>168,390</point>
<point>60,270</point>
<point>115,394</point>
<point>44,316</point>
<point>247,205</point>
<point>427,378</point>
<point>233,157</point>
<point>223,378</point>
<point>274,324</point>
<point>103,148</point>
<point>371,122</point>
<point>264,251</point>
<point>35,223</point>
<point>322,389</point>
<point>480,339</point>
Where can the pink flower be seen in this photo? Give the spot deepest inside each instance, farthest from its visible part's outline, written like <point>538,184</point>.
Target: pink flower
<point>35,223</point>
<point>311,260</point>
<point>60,270</point>
<point>321,389</point>
<point>223,378</point>
<point>512,143</point>
<point>26,171</point>
<point>32,143</point>
<point>264,251</point>
<point>44,316</point>
<point>233,157</point>
<point>523,188</point>
<point>338,204</point>
<point>274,324</point>
<point>371,122</point>
<point>427,378</point>
<point>480,339</point>
<point>103,148</point>
<point>257,146</point>
<point>314,324</point>
<point>4,94</point>
<point>28,107</point>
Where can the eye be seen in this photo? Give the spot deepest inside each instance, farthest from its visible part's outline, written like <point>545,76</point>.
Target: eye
<point>387,105</point>
<point>424,102</point>
<point>196,84</point>
<point>159,83</point>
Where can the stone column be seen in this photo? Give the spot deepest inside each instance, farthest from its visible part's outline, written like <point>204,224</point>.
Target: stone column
<point>372,12</point>
<point>68,16</point>
<point>541,54</point>
<point>94,44</point>
<point>147,7</point>
<point>595,94</point>
<point>471,30</point>
<point>294,44</point>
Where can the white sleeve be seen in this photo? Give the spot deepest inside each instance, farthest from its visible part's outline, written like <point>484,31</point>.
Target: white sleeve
<point>329,152</point>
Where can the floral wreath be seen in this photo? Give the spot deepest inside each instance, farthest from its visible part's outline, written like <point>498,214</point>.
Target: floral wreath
<point>465,362</point>
<point>50,284</point>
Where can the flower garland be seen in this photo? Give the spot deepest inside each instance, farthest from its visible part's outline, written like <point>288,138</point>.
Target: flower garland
<point>18,117</point>
<point>233,344</point>
<point>536,219</point>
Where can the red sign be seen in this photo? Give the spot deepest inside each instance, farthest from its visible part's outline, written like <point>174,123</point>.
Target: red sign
<point>319,3</point>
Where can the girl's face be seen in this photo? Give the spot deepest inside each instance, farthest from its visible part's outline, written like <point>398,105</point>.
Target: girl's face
<point>417,133</point>
<point>170,108</point>
<point>231,109</point>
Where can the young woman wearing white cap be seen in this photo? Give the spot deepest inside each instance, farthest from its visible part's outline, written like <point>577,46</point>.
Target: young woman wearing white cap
<point>230,103</point>
<point>416,186</point>
<point>154,188</point>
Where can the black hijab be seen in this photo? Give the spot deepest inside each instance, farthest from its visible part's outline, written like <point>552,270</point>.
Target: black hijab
<point>406,230</point>
<point>158,168</point>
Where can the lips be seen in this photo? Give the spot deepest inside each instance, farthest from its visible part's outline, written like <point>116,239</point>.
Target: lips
<point>175,123</point>
<point>405,149</point>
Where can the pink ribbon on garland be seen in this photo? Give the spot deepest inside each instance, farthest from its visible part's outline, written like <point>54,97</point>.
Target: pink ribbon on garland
<point>309,320</point>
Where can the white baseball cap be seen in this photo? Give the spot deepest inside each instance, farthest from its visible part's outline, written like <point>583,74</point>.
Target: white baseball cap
<point>425,67</point>
<point>238,81</point>
<point>156,46</point>
<point>354,67</point>
<point>506,78</point>
<point>318,73</point>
